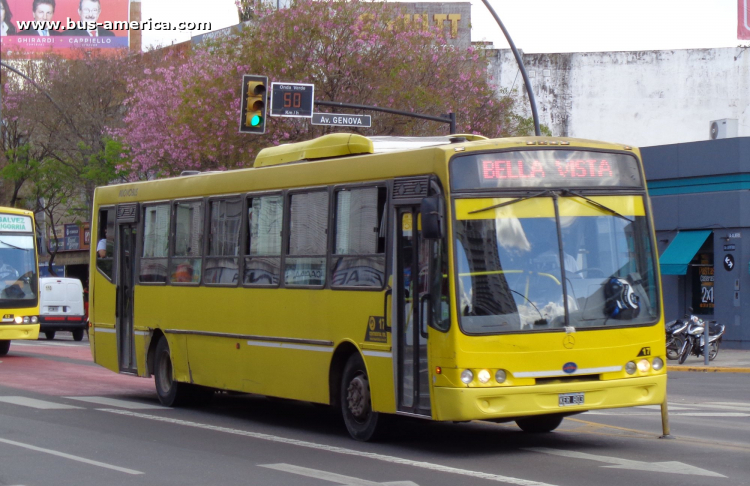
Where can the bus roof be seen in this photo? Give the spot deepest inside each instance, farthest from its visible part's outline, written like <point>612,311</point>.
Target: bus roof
<point>335,158</point>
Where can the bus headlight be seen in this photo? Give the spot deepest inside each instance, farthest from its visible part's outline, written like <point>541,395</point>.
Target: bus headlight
<point>483,376</point>
<point>657,364</point>
<point>19,320</point>
<point>467,376</point>
<point>630,367</point>
<point>34,319</point>
<point>500,376</point>
<point>644,365</point>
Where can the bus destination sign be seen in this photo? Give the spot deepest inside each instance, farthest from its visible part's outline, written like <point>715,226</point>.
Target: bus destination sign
<point>292,99</point>
<point>545,168</point>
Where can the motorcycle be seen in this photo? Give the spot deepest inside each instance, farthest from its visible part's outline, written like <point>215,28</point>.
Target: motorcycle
<point>675,337</point>
<point>695,339</point>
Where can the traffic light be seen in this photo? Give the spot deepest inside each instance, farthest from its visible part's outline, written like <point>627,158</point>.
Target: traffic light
<point>254,96</point>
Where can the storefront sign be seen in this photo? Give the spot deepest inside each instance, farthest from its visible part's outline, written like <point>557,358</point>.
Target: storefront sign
<point>703,290</point>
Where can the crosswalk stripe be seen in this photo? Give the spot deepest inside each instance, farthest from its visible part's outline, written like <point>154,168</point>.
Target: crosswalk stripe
<point>733,406</point>
<point>669,406</point>
<point>114,402</point>
<point>34,403</point>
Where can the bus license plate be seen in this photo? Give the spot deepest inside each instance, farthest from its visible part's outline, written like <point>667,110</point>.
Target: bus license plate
<point>53,309</point>
<point>568,399</point>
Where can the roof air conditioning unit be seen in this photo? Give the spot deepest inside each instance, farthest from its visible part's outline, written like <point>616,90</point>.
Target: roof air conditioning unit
<point>724,128</point>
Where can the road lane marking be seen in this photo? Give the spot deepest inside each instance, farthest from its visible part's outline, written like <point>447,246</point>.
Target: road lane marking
<point>669,406</point>
<point>730,406</point>
<point>671,414</point>
<point>711,414</point>
<point>71,457</point>
<point>338,450</point>
<point>673,467</point>
<point>114,402</point>
<point>34,403</point>
<point>332,477</point>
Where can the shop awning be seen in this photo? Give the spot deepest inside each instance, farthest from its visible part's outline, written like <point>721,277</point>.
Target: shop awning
<point>677,256</point>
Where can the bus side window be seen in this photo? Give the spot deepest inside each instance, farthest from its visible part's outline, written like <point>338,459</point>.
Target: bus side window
<point>222,261</point>
<point>155,244</point>
<point>359,248</point>
<point>263,250</point>
<point>187,258</point>
<point>105,242</point>
<point>305,263</point>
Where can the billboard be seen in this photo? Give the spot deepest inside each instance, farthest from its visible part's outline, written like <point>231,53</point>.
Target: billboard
<point>743,20</point>
<point>63,26</point>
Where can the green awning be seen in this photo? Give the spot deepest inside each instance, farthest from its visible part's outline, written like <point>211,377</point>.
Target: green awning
<point>679,253</point>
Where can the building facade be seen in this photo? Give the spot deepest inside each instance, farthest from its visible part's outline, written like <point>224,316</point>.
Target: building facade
<point>700,193</point>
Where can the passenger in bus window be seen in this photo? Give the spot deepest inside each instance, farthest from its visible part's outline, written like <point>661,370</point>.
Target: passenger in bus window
<point>549,260</point>
<point>101,247</point>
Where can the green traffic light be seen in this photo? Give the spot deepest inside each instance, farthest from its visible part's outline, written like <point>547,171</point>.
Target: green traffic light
<point>255,121</point>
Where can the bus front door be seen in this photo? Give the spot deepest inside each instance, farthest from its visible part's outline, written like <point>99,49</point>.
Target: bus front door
<point>411,299</point>
<point>125,281</point>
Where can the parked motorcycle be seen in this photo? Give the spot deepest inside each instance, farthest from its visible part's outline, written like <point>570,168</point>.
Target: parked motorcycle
<point>675,337</point>
<point>694,342</point>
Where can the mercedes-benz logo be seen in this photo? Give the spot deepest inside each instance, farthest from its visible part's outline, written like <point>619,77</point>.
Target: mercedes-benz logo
<point>569,341</point>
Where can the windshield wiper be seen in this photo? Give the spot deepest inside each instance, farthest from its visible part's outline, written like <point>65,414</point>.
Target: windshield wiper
<point>512,201</point>
<point>14,246</point>
<point>598,205</point>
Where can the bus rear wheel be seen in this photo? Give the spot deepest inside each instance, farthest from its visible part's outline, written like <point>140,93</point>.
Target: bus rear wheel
<point>78,335</point>
<point>50,335</point>
<point>4,347</point>
<point>540,424</point>
<point>356,406</point>
<point>171,393</point>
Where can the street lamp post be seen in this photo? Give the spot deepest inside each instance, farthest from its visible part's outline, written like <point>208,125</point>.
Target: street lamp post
<point>519,61</point>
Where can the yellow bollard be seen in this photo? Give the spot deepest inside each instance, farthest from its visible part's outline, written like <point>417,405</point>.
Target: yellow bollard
<point>665,421</point>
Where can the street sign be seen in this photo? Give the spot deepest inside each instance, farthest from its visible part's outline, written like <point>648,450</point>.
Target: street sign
<point>292,99</point>
<point>342,120</point>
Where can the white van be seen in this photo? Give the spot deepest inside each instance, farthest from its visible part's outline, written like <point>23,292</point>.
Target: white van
<point>61,307</point>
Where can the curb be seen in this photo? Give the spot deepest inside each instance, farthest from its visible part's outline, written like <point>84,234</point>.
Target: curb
<point>709,369</point>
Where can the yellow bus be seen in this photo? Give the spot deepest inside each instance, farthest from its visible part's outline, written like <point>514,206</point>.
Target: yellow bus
<point>19,277</point>
<point>407,276</point>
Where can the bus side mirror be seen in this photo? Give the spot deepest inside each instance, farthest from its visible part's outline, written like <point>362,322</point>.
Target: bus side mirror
<point>433,218</point>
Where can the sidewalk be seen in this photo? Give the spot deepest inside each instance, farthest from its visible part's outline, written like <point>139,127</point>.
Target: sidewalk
<point>728,361</point>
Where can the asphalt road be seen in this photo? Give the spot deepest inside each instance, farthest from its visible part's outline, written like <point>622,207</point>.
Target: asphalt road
<point>66,421</point>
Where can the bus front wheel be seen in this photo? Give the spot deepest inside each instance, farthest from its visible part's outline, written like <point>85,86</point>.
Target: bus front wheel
<point>4,347</point>
<point>171,393</point>
<point>356,405</point>
<point>540,424</point>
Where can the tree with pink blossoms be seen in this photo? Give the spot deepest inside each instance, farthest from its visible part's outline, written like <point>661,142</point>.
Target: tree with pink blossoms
<point>185,115</point>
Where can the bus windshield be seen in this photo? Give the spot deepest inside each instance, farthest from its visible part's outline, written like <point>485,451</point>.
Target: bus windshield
<point>18,271</point>
<point>510,278</point>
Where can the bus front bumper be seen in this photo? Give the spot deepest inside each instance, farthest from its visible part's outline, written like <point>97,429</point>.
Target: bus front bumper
<point>462,404</point>
<point>18,331</point>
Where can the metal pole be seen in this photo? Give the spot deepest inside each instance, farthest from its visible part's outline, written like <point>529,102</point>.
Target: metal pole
<point>529,91</point>
<point>706,347</point>
<point>665,420</point>
<point>450,118</point>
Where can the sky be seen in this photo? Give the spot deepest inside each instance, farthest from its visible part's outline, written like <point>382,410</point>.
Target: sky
<point>536,26</point>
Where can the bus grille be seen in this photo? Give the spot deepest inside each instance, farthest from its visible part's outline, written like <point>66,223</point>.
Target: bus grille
<point>566,379</point>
